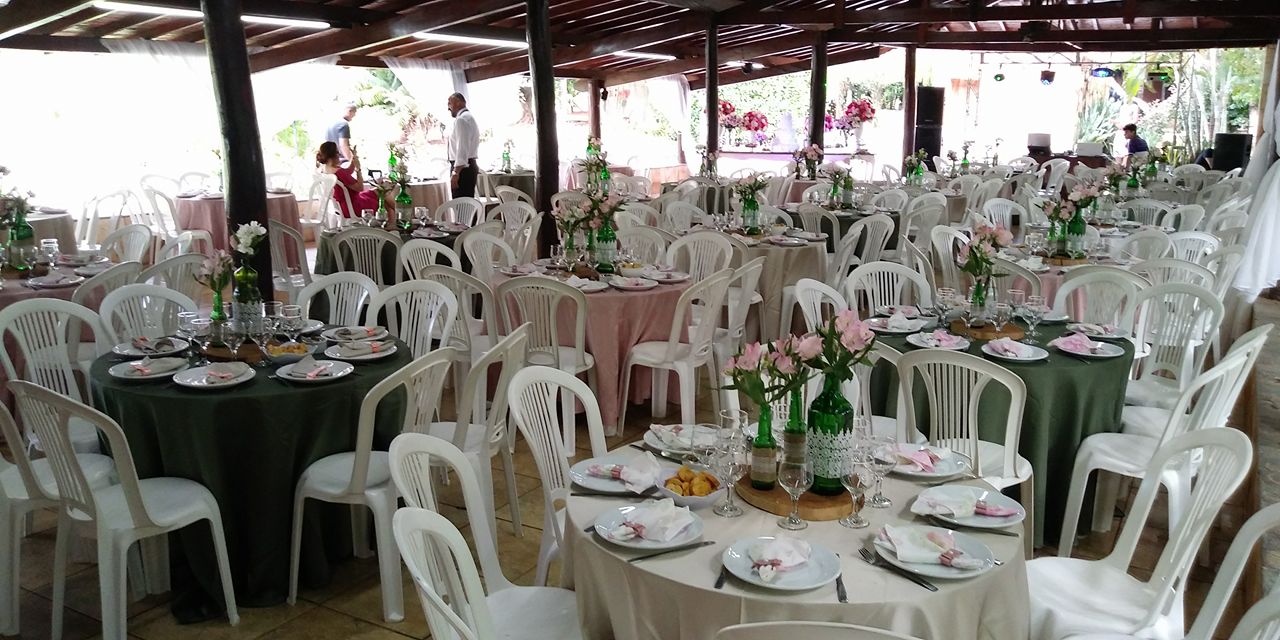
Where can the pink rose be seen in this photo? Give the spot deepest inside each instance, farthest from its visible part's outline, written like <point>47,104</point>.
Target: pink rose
<point>783,363</point>
<point>857,337</point>
<point>730,366</point>
<point>964,253</point>
<point>809,347</point>
<point>750,357</point>
<point>1003,236</point>
<point>846,319</point>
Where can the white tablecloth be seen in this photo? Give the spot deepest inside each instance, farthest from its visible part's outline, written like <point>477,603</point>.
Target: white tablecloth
<point>673,596</point>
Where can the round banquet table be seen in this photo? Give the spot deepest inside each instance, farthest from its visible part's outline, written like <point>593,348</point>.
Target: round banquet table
<point>617,321</point>
<point>249,445</point>
<point>1068,399</point>
<point>430,193</point>
<point>522,180</point>
<point>327,262</point>
<point>614,169</point>
<point>57,226</point>
<point>673,596</point>
<point>783,267</point>
<point>209,214</point>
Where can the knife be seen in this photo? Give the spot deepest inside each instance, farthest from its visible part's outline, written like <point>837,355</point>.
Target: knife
<point>841,594</point>
<point>672,550</point>
<point>602,494</point>
<point>724,575</point>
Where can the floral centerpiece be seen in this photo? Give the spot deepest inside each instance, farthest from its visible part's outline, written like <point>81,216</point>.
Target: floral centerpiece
<point>708,167</point>
<point>215,273</point>
<point>595,213</point>
<point>246,297</point>
<point>1114,174</point>
<point>833,351</point>
<point>979,260</point>
<point>951,163</point>
<point>748,189</point>
<point>592,167</point>
<point>766,374</point>
<point>964,160</point>
<point>839,177</point>
<point>593,146</point>
<point>19,235</point>
<point>810,157</point>
<point>755,123</point>
<point>856,114</point>
<point>913,166</point>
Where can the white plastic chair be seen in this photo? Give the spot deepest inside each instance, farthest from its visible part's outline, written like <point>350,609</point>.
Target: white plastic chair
<point>26,486</point>
<point>347,292</point>
<point>875,236</point>
<point>46,333</point>
<point>564,198</point>
<point>475,327</point>
<point>1146,211</point>
<point>534,395</point>
<point>1057,168</point>
<point>1262,620</point>
<point>1108,295</point>
<point>417,310</point>
<point>700,254</point>
<point>678,217</point>
<point>811,218</point>
<point>1001,211</point>
<point>675,354</point>
<point>547,303</point>
<point>1224,263</point>
<point>820,188</point>
<point>892,199</point>
<point>884,284</point>
<point>813,297</point>
<point>1176,322</point>
<point>645,243</point>
<point>420,253</point>
<point>128,243</point>
<point>1007,273</point>
<point>946,242</point>
<point>806,630</point>
<point>360,249</point>
<point>508,194</point>
<point>1164,270</point>
<point>362,477</point>
<point>648,215</point>
<point>965,185</point>
<point>953,382</point>
<point>1189,216</point>
<point>283,237</point>
<point>176,273</point>
<point>513,214</point>
<point>324,210</point>
<point>985,191</point>
<point>770,215</point>
<point>728,340</point>
<point>468,211</point>
<point>1145,245</point>
<point>487,254</point>
<point>193,241</point>
<point>1071,597</point>
<point>143,310</point>
<point>1193,246</point>
<point>123,513</point>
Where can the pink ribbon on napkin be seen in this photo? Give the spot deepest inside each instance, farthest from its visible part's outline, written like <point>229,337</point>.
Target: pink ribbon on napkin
<point>141,368</point>
<point>982,508</point>
<point>220,375</point>
<point>1075,343</point>
<point>613,471</point>
<point>921,457</point>
<point>319,369</point>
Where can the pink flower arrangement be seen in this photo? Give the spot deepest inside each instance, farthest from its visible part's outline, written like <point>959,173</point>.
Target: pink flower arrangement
<point>754,121</point>
<point>727,108</point>
<point>860,111</point>
<point>766,373</point>
<point>835,348</point>
<point>828,122</point>
<point>731,121</point>
<point>809,154</point>
<point>979,255</point>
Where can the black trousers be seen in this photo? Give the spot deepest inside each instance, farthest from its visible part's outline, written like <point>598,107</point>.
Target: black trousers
<point>467,181</point>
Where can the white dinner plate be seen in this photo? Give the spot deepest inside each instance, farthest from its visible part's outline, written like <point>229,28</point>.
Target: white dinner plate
<point>55,281</point>
<point>91,270</point>
<point>592,286</point>
<point>332,334</point>
<point>81,259</point>
<point>195,379</point>
<point>335,353</point>
<point>336,370</point>
<point>667,277</point>
<point>909,311</point>
<point>881,325</point>
<point>312,326</point>
<point>950,465</point>
<point>1116,334</point>
<point>1055,317</point>
<point>578,473</point>
<point>121,371</point>
<point>822,568</point>
<point>1036,354</point>
<point>808,236</point>
<point>783,241</point>
<point>429,234</point>
<point>969,545</point>
<point>127,350</point>
<point>926,341</point>
<point>989,496</point>
<point>652,439</point>
<point>612,518</point>
<point>632,284</point>
<point>514,272</point>
<point>1104,351</point>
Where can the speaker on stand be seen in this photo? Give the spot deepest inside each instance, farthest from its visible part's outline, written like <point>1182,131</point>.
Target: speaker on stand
<point>929,121</point>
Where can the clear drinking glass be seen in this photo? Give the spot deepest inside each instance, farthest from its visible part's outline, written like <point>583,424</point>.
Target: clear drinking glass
<point>732,420</point>
<point>231,335</point>
<point>201,334</point>
<point>882,459</point>
<point>291,321</point>
<point>1034,312</point>
<point>1004,313</point>
<point>185,328</point>
<point>271,310</point>
<point>701,453</point>
<point>856,478</point>
<point>942,303</point>
<point>260,334</point>
<point>422,215</point>
<point>366,216</point>
<point>732,459</point>
<point>1017,298</point>
<point>795,478</point>
<point>557,255</point>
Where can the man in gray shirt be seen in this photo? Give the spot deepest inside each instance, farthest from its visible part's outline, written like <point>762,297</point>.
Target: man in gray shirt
<point>340,132</point>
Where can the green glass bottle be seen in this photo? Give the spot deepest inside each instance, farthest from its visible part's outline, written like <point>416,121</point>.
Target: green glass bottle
<point>606,249</point>
<point>22,239</point>
<point>506,161</point>
<point>751,215</point>
<point>392,163</point>
<point>1075,234</point>
<point>246,298</point>
<point>404,207</point>
<point>605,179</point>
<point>381,214</point>
<point>795,446</point>
<point>964,165</point>
<point>764,452</point>
<point>831,437</point>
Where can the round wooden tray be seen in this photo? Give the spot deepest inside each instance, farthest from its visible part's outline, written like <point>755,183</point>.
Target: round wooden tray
<point>812,506</point>
<point>1066,262</point>
<point>987,331</point>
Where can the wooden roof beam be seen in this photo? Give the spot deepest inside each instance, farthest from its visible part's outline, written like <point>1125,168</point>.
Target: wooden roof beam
<point>1136,37</point>
<point>732,77</point>
<point>746,52</point>
<point>1012,13</point>
<point>54,43</point>
<point>427,17</point>
<point>334,14</point>
<point>24,15</point>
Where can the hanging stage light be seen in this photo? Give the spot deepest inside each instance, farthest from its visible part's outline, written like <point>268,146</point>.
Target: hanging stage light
<point>1046,77</point>
<point>1102,72</point>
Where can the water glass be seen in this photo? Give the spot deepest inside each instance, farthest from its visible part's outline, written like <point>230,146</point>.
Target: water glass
<point>260,334</point>
<point>1034,311</point>
<point>422,215</point>
<point>1004,313</point>
<point>856,478</point>
<point>291,321</point>
<point>883,458</point>
<point>271,310</point>
<point>942,303</point>
<point>229,334</point>
<point>202,334</point>
<point>185,327</point>
<point>795,478</point>
<point>732,459</point>
<point>557,255</point>
<point>701,453</point>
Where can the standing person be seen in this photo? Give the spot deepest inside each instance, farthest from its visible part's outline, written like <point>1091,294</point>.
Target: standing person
<point>464,146</point>
<point>339,132</point>
<point>1135,145</point>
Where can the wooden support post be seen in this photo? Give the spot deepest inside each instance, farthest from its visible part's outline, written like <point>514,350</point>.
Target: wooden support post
<point>542,77</point>
<point>712,56</point>
<point>909,103</point>
<point>242,167</point>
<point>594,86</point>
<point>818,89</point>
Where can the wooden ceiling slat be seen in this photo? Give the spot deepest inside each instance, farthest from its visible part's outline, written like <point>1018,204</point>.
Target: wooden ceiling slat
<point>1044,11</point>
<point>22,15</point>
<point>1135,37</point>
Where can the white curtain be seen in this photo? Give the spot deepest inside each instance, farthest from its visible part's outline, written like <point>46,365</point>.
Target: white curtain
<point>429,81</point>
<point>669,95</point>
<point>305,91</point>
<point>1261,266</point>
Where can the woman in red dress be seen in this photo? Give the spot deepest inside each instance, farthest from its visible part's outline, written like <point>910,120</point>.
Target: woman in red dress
<point>349,181</point>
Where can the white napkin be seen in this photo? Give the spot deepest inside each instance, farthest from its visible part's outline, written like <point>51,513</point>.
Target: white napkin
<point>357,333</point>
<point>149,366</point>
<point>778,555</point>
<point>224,372</point>
<point>1090,328</point>
<point>921,458</point>
<point>660,521</point>
<point>899,322</point>
<point>1009,347</point>
<point>152,345</point>
<point>638,474</point>
<point>1032,263</point>
<point>913,544</point>
<point>350,349</point>
<point>310,368</point>
<point>576,282</point>
<point>681,436</point>
<point>957,503</point>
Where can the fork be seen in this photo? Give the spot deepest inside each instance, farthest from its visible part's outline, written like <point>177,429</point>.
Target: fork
<point>875,561</point>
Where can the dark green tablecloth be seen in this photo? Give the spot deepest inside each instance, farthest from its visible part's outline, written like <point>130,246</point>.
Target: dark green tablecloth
<point>1068,399</point>
<point>327,263</point>
<point>249,445</point>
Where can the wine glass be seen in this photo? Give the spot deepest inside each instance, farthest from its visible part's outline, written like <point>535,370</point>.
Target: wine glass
<point>185,328</point>
<point>291,321</point>
<point>856,478</point>
<point>701,453</point>
<point>202,334</point>
<point>732,458</point>
<point>942,303</point>
<point>1034,311</point>
<point>557,255</point>
<point>1004,313</point>
<point>795,478</point>
<point>422,215</point>
<point>732,420</point>
<point>231,335</point>
<point>883,457</point>
<point>259,332</point>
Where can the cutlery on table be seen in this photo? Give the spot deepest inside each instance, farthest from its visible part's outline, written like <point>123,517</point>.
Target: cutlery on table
<point>654,451</point>
<point>875,561</point>
<point>724,575</point>
<point>589,529</point>
<point>602,494</point>
<point>664,552</point>
<point>841,594</point>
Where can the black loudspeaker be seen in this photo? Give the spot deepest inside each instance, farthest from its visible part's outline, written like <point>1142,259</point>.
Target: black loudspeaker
<point>929,106</point>
<point>1231,150</point>
<point>929,139</point>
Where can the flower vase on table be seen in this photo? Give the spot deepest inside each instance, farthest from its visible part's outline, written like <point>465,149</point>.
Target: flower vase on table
<point>751,215</point>
<point>216,314</point>
<point>831,437</point>
<point>606,248</point>
<point>857,138</point>
<point>794,434</point>
<point>764,452</point>
<point>765,374</point>
<point>22,239</point>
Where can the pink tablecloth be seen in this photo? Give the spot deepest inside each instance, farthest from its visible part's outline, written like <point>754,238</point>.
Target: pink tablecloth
<point>210,215</point>
<point>15,290</point>
<point>616,322</point>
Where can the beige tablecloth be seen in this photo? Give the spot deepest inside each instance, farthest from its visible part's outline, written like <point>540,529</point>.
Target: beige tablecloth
<point>58,226</point>
<point>673,596</point>
<point>430,194</point>
<point>783,267</point>
<point>210,215</point>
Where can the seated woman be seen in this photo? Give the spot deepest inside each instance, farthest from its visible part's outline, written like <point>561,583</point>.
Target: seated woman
<point>349,181</point>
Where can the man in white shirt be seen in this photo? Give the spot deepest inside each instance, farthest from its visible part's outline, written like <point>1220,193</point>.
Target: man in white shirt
<point>464,146</point>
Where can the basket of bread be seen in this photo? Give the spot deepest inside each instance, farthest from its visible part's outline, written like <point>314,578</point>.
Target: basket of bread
<point>689,488</point>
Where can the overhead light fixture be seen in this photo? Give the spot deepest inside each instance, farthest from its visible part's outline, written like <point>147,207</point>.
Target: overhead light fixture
<point>641,55</point>
<point>999,77</point>
<point>1046,77</point>
<point>486,42</point>
<point>749,67</point>
<point>192,13</point>
<point>1102,72</point>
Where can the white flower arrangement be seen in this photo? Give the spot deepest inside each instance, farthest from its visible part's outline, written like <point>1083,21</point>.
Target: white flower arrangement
<point>247,237</point>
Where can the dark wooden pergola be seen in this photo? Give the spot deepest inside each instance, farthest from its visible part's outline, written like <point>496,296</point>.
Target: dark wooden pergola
<point>582,39</point>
